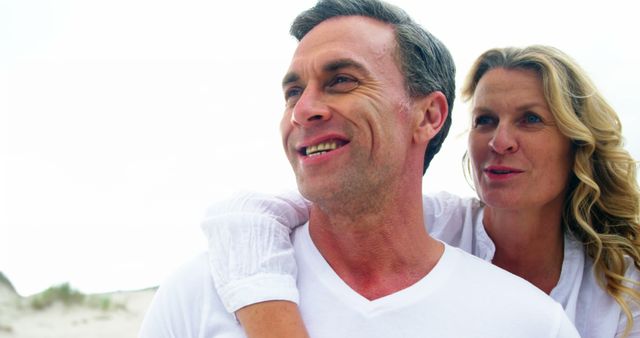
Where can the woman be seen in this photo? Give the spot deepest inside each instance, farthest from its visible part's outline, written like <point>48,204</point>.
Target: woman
<point>558,204</point>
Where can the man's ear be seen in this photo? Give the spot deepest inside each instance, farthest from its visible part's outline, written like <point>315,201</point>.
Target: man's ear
<point>431,113</point>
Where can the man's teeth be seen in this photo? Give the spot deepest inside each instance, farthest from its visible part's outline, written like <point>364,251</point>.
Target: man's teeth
<point>321,148</point>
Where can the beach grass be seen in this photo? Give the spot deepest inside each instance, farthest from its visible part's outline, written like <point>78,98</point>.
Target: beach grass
<point>62,293</point>
<point>68,296</point>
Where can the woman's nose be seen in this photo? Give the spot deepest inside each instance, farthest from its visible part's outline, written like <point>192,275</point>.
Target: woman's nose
<point>504,140</point>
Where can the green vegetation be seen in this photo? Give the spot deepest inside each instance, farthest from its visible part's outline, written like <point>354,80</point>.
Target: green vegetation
<point>60,293</point>
<point>104,303</point>
<point>68,296</point>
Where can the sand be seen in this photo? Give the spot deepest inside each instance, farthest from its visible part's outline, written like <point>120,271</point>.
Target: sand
<point>122,318</point>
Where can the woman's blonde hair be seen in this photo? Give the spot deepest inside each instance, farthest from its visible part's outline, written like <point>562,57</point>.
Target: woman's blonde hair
<point>602,209</point>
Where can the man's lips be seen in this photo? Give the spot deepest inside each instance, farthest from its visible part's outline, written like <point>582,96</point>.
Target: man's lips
<point>321,147</point>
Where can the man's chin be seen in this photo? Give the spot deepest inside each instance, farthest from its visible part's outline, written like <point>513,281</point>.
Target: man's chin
<point>319,191</point>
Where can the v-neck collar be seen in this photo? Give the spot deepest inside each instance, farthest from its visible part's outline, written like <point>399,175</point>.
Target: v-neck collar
<point>311,261</point>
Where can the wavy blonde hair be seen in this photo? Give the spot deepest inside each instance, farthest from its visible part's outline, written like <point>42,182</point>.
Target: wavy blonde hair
<point>602,208</point>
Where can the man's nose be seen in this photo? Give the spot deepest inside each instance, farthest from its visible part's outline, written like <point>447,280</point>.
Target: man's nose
<point>310,108</point>
<point>504,140</point>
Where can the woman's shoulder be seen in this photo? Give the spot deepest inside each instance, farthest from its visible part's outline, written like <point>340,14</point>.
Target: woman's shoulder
<point>455,220</point>
<point>579,288</point>
<point>443,203</point>
<point>447,210</point>
<point>575,254</point>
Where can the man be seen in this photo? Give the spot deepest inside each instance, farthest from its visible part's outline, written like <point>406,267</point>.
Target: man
<point>368,100</point>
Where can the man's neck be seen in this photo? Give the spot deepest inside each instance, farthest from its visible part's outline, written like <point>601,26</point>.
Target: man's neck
<point>376,251</point>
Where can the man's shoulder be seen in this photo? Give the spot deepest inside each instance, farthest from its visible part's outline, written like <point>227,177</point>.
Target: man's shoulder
<point>187,283</point>
<point>492,293</point>
<point>190,271</point>
<point>486,279</point>
<point>187,305</point>
<point>484,271</point>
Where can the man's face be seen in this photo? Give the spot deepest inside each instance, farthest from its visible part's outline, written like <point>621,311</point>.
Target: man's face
<point>345,128</point>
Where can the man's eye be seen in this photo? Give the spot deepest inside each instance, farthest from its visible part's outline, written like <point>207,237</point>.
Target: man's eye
<point>292,93</point>
<point>342,84</point>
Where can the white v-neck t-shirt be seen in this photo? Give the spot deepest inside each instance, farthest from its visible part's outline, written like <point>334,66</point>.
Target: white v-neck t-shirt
<point>462,296</point>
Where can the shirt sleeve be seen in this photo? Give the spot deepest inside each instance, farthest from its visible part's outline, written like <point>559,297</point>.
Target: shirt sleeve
<point>634,306</point>
<point>250,251</point>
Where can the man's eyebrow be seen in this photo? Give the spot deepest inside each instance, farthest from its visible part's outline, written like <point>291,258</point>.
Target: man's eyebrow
<point>330,67</point>
<point>290,78</point>
<point>336,65</point>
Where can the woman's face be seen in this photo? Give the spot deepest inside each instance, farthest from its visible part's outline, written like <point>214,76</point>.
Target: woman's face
<point>519,157</point>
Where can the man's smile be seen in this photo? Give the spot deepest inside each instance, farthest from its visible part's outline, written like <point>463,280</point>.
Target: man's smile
<point>322,147</point>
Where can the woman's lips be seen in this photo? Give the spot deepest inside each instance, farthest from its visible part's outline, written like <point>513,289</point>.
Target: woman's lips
<point>501,172</point>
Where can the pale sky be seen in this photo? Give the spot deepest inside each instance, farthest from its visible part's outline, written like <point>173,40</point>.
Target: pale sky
<point>120,121</point>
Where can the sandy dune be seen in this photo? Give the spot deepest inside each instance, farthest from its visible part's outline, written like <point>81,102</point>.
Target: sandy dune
<point>18,319</point>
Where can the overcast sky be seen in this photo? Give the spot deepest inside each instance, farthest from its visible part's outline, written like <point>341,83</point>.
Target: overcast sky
<point>121,120</point>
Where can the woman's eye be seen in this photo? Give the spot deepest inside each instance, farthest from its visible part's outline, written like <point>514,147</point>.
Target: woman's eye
<point>342,84</point>
<point>483,120</point>
<point>530,118</point>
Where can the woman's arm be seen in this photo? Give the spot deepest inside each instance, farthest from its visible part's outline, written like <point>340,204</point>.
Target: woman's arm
<point>252,262</point>
<point>272,319</point>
